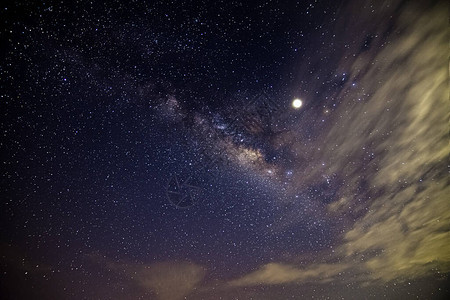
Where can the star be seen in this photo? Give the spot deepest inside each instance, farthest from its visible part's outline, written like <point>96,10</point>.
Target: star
<point>297,103</point>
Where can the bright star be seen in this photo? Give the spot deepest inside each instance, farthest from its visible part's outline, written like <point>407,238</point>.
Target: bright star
<point>297,103</point>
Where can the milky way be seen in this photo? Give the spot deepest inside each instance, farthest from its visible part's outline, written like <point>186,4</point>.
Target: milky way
<point>154,151</point>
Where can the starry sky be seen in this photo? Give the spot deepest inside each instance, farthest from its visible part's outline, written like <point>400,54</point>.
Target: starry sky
<point>150,150</point>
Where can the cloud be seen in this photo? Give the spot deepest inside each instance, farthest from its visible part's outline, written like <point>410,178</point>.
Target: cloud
<point>277,273</point>
<point>392,122</point>
<point>167,280</point>
<point>170,280</point>
<point>388,142</point>
<point>406,237</point>
<point>405,230</point>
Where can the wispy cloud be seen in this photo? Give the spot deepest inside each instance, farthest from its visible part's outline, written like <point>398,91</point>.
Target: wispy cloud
<point>405,228</point>
<point>388,141</point>
<point>406,237</point>
<point>277,273</point>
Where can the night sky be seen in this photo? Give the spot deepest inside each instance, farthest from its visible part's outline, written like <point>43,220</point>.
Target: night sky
<point>151,150</point>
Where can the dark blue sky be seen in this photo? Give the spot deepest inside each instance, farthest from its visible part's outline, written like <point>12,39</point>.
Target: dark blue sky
<point>104,105</point>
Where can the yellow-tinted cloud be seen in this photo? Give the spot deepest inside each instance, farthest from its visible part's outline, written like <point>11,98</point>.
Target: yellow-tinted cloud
<point>405,231</point>
<point>391,130</point>
<point>170,280</point>
<point>167,280</point>
<point>409,234</point>
<point>277,273</point>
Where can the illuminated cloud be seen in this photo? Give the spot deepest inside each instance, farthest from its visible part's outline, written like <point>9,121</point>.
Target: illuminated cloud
<point>388,140</point>
<point>276,273</point>
<point>405,229</point>
<point>404,236</point>
<point>169,280</point>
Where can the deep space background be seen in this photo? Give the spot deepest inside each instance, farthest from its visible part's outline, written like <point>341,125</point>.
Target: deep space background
<point>103,104</point>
